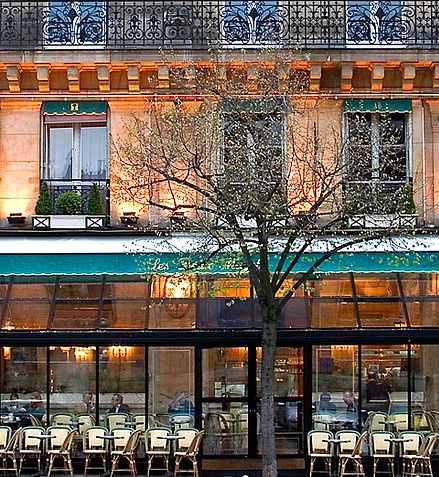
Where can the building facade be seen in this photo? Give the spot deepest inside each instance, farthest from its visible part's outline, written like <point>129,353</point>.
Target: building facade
<point>77,312</point>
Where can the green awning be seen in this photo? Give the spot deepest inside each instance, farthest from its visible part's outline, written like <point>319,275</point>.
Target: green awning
<point>89,264</point>
<point>74,107</point>
<point>377,106</point>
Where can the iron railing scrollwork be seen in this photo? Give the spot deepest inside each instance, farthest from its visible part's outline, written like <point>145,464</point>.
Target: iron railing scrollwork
<point>207,24</point>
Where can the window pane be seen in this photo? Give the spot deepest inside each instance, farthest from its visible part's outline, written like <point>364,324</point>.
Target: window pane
<point>72,375</point>
<point>59,162</point>
<point>122,371</point>
<point>25,375</point>
<point>384,378</point>
<point>335,389</point>
<point>171,387</point>
<point>94,152</point>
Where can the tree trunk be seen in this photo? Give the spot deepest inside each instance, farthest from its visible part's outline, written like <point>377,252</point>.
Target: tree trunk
<point>268,441</point>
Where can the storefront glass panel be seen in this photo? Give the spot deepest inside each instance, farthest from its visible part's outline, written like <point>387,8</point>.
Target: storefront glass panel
<point>384,379</point>
<point>331,303</point>
<point>72,374</point>
<point>425,387</point>
<point>421,293</point>
<point>335,387</point>
<point>288,401</point>
<point>23,383</point>
<point>122,371</point>
<point>27,314</point>
<point>225,400</point>
<point>171,386</point>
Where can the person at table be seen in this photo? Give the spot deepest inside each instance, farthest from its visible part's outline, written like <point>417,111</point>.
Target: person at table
<point>86,405</point>
<point>180,404</point>
<point>375,390</point>
<point>117,404</point>
<point>12,405</point>
<point>349,400</point>
<point>33,407</point>
<point>326,406</point>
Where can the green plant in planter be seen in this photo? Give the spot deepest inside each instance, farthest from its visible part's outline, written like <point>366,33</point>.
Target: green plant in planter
<point>68,203</point>
<point>44,205</point>
<point>406,203</point>
<point>94,204</point>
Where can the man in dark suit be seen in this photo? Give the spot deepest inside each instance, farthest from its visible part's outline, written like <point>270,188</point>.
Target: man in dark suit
<point>117,404</point>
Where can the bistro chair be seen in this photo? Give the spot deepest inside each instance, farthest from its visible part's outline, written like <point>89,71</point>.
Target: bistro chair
<point>140,422</point>
<point>30,446</point>
<point>94,446</point>
<point>218,433</point>
<point>8,453</point>
<point>191,454</point>
<point>84,421</point>
<point>181,421</point>
<point>122,435</point>
<point>375,421</point>
<point>58,433</point>
<point>382,451</point>
<point>319,449</point>
<point>401,419</point>
<point>187,436</point>
<point>412,441</point>
<point>352,464</point>
<point>62,419</point>
<point>116,419</point>
<point>156,447</point>
<point>419,464</point>
<point>348,442</point>
<point>64,452</point>
<point>5,435</point>
<point>128,453</point>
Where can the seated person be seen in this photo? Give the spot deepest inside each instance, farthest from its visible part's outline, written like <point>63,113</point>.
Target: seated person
<point>180,404</point>
<point>117,404</point>
<point>86,406</point>
<point>33,407</point>
<point>326,405</point>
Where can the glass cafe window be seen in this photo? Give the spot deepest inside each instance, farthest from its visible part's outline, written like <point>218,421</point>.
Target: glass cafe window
<point>251,23</point>
<point>75,23</point>
<point>375,23</point>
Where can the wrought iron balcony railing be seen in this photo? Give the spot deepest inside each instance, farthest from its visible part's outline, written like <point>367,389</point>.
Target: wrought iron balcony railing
<point>82,188</point>
<point>209,24</point>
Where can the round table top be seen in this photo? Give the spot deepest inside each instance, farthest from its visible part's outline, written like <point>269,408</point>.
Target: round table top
<point>170,437</point>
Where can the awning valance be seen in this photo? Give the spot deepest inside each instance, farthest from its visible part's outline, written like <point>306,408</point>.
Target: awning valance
<point>127,256</point>
<point>57,108</point>
<point>377,105</point>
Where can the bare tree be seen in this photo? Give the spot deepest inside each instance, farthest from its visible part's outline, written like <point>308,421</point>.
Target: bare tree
<point>259,169</point>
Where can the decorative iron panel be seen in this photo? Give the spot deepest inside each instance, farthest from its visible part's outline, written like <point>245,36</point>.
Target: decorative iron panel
<point>209,24</point>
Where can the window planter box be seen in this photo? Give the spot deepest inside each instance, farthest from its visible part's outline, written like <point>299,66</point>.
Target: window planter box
<point>383,221</point>
<point>68,221</point>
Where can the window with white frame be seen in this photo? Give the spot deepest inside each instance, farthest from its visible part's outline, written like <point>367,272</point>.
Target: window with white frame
<point>252,163</point>
<point>375,23</point>
<point>75,23</point>
<point>75,147</point>
<point>377,159</point>
<point>251,23</point>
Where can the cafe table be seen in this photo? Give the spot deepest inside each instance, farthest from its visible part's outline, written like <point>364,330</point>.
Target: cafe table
<point>335,446</point>
<point>397,441</point>
<point>43,438</point>
<point>108,438</point>
<point>172,439</point>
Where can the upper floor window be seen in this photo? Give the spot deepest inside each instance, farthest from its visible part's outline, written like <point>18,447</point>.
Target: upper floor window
<point>251,23</point>
<point>75,146</point>
<point>76,23</point>
<point>375,22</point>
<point>378,163</point>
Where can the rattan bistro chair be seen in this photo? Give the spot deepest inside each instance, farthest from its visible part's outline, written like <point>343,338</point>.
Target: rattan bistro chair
<point>319,449</point>
<point>128,453</point>
<point>191,454</point>
<point>352,464</point>
<point>94,447</point>
<point>64,452</point>
<point>8,453</point>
